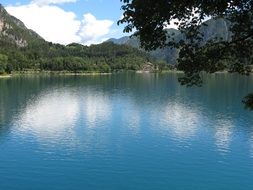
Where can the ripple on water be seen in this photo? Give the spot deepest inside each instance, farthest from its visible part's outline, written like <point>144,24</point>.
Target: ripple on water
<point>125,132</point>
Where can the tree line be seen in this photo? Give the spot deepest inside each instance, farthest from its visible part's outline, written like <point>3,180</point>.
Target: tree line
<point>104,58</point>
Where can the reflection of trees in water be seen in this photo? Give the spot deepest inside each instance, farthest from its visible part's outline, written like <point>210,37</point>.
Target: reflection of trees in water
<point>159,93</point>
<point>16,92</point>
<point>216,106</point>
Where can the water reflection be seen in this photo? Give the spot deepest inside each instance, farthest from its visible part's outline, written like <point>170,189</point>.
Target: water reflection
<point>100,130</point>
<point>180,120</point>
<point>97,107</point>
<point>223,135</point>
<point>50,116</point>
<point>37,107</point>
<point>251,145</point>
<point>131,117</point>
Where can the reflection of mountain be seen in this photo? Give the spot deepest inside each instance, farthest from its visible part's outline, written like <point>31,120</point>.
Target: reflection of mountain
<point>14,95</point>
<point>17,92</point>
<point>44,106</point>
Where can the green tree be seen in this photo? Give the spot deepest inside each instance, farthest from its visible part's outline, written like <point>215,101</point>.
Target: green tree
<point>3,63</point>
<point>150,19</point>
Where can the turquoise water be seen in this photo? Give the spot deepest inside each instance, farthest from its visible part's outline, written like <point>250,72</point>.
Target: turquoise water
<point>125,131</point>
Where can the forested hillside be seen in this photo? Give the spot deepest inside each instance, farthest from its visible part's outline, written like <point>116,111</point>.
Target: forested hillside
<point>23,50</point>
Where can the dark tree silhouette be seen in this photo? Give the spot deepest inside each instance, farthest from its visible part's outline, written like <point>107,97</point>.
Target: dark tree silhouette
<point>150,18</point>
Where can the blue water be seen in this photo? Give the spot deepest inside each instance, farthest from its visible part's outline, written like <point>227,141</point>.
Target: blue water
<point>125,131</point>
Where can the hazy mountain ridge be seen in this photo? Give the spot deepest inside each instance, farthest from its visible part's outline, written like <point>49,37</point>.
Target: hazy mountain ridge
<point>213,29</point>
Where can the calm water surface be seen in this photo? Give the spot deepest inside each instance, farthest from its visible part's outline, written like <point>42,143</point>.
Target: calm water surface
<point>125,131</point>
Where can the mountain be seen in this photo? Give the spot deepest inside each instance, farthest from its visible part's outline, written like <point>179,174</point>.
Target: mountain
<point>14,32</point>
<point>213,29</point>
<point>120,41</point>
<point>23,50</point>
<point>166,54</point>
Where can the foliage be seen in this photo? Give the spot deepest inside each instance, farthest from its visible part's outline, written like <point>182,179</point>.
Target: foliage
<point>25,50</point>
<point>151,18</point>
<point>3,63</point>
<point>248,101</point>
<point>105,57</point>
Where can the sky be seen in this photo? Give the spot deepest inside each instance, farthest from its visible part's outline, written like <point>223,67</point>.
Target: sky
<point>67,21</point>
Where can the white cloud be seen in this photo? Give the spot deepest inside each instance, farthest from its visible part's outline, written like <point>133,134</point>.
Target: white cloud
<point>59,26</point>
<point>92,30</point>
<point>50,22</point>
<point>48,2</point>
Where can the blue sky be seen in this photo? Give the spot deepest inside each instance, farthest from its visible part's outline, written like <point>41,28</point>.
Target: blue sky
<point>66,21</point>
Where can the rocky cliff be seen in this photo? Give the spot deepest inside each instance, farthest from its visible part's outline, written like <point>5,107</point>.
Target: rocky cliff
<point>13,31</point>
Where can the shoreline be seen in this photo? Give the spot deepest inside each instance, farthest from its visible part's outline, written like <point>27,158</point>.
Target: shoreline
<point>5,76</point>
<point>27,73</point>
<point>64,73</point>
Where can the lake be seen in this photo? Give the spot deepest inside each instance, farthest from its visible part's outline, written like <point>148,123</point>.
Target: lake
<point>125,131</point>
